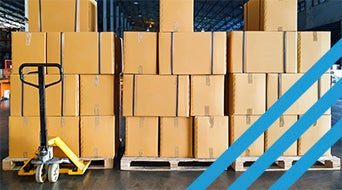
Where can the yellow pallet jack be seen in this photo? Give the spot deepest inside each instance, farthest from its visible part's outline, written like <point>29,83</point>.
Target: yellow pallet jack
<point>43,164</point>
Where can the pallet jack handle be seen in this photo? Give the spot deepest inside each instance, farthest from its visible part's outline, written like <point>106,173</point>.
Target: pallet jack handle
<point>41,86</point>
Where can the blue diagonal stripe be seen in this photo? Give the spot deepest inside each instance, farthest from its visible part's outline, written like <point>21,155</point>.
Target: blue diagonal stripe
<point>261,125</point>
<point>287,139</point>
<point>310,157</point>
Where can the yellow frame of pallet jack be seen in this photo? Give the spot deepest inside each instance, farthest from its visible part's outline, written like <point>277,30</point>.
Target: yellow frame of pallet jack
<point>81,165</point>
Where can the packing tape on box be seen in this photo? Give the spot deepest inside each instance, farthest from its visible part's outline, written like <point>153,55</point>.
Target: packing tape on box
<point>206,110</point>
<point>77,16</point>
<point>250,78</point>
<point>176,151</point>
<point>62,122</point>
<point>28,38</point>
<point>212,54</point>
<point>97,121</point>
<point>96,152</point>
<point>177,93</point>
<point>175,122</point>
<point>284,51</point>
<point>281,121</point>
<point>211,122</point>
<point>99,52</point>
<point>211,152</point>
<point>207,80</point>
<point>140,37</point>
<point>171,52</point>
<point>314,36</point>
<point>141,122</point>
<point>248,119</point>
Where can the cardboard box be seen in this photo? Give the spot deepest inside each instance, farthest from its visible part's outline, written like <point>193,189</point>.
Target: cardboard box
<point>109,50</point>
<point>192,53</point>
<point>176,16</point>
<point>24,134</point>
<point>278,84</point>
<point>141,136</point>
<point>67,128</point>
<point>61,99</point>
<point>97,136</point>
<point>77,16</point>
<point>28,48</point>
<point>312,46</point>
<point>176,137</point>
<point>80,52</point>
<point>262,52</point>
<point>270,15</point>
<point>246,94</point>
<point>97,95</point>
<point>313,134</point>
<point>140,53</point>
<point>211,136</point>
<point>277,129</point>
<point>237,126</point>
<point>207,95</point>
<point>156,95</point>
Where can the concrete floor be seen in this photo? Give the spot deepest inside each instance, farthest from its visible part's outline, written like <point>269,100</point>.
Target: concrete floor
<point>116,179</point>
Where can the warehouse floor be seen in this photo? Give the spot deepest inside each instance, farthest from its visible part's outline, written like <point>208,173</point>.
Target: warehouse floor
<point>116,179</point>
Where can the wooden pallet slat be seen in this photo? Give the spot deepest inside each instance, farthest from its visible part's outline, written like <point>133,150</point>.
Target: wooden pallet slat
<point>284,163</point>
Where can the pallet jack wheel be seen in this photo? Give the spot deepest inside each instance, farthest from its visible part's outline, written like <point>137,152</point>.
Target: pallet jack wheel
<point>41,173</point>
<point>53,173</point>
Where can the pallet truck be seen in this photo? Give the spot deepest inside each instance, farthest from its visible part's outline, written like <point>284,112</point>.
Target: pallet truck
<point>43,164</point>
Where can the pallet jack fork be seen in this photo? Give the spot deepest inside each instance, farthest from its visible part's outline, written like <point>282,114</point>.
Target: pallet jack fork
<point>43,164</point>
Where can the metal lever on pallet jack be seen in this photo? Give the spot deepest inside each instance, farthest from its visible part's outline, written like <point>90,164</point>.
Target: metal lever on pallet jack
<point>46,166</point>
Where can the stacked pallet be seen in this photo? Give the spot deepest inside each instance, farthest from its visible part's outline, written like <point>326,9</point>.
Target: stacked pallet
<point>173,93</point>
<point>80,110</point>
<point>264,62</point>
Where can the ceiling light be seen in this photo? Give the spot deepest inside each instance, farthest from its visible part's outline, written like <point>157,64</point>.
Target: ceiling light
<point>136,3</point>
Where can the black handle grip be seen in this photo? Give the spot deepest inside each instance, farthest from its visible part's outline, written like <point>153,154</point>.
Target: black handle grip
<point>37,65</point>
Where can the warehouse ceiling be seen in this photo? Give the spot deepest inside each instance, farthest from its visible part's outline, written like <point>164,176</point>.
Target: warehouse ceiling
<point>140,15</point>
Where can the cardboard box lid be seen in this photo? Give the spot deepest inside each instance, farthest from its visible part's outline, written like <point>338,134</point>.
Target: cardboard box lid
<point>98,136</point>
<point>211,136</point>
<point>97,95</point>
<point>207,95</point>
<point>176,15</point>
<point>155,95</point>
<point>141,136</point>
<point>277,129</point>
<point>238,125</point>
<point>312,45</point>
<point>176,137</point>
<point>192,53</point>
<point>247,94</point>
<point>140,53</point>
<point>28,47</point>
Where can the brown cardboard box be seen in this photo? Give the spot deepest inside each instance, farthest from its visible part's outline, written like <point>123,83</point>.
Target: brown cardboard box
<point>97,95</point>
<point>141,136</point>
<point>67,128</point>
<point>176,137</point>
<point>60,100</point>
<point>80,52</point>
<point>77,16</point>
<point>98,136</point>
<point>278,84</point>
<point>15,95</point>
<point>262,52</point>
<point>207,95</point>
<point>313,134</point>
<point>156,95</point>
<point>24,134</point>
<point>277,129</point>
<point>140,53</point>
<point>108,52</point>
<point>211,136</point>
<point>237,126</point>
<point>192,53</point>
<point>246,94</point>
<point>109,62</point>
<point>176,15</point>
<point>27,48</point>
<point>270,15</point>
<point>312,46</point>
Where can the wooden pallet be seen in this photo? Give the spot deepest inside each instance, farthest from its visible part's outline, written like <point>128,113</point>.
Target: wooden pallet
<point>96,163</point>
<point>284,163</point>
<point>100,163</point>
<point>164,164</point>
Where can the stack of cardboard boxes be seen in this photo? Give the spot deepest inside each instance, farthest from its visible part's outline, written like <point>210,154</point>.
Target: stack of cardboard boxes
<point>80,110</point>
<point>264,62</point>
<point>173,93</point>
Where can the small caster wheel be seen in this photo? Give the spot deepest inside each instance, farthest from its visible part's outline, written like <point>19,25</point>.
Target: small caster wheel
<point>53,173</point>
<point>41,173</point>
